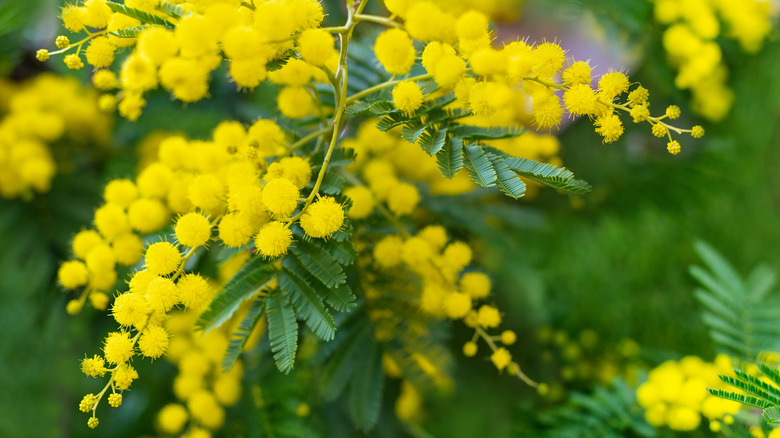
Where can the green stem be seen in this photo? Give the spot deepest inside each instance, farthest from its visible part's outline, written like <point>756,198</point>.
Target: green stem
<point>383,85</point>
<point>377,19</point>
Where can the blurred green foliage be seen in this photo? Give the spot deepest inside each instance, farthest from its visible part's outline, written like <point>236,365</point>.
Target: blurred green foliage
<point>615,265</point>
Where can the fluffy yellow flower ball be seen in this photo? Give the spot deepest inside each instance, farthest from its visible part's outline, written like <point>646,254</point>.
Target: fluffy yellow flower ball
<point>162,258</point>
<point>407,96</point>
<point>395,51</point>
<point>280,197</point>
<point>274,239</point>
<point>323,218</point>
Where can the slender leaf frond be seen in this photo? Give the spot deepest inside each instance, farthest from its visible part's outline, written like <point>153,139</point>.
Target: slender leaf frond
<point>450,157</point>
<point>245,329</point>
<point>142,16</point>
<point>253,276</point>
<point>480,169</point>
<point>282,330</point>
<point>308,304</point>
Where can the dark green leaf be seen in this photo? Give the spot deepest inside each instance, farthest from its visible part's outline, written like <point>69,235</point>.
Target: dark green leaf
<point>740,398</point>
<point>319,263</point>
<point>341,364</point>
<point>433,141</point>
<point>245,329</point>
<point>130,32</point>
<point>450,157</point>
<point>559,178</point>
<point>332,183</point>
<point>308,304</point>
<point>340,298</point>
<point>365,397</point>
<point>253,276</point>
<point>480,169</point>
<point>473,133</point>
<point>507,181</point>
<point>282,330</point>
<point>142,16</point>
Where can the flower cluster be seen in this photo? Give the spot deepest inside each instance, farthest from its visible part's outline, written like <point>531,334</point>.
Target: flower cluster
<point>37,116</point>
<point>675,394</point>
<point>690,41</point>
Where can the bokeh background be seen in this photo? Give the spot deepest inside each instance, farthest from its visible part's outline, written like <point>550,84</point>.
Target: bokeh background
<point>610,265</point>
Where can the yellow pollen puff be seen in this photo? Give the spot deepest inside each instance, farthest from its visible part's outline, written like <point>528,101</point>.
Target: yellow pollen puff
<point>416,251</point>
<point>138,73</point>
<point>248,73</point>
<point>73,274</point>
<point>436,235</point>
<point>316,46</point>
<point>147,215</point>
<point>207,192</point>
<point>471,25</point>
<point>193,230</point>
<point>295,169</point>
<point>162,258</point>
<point>172,418</point>
<point>639,113</point>
<point>476,284</point>
<point>73,61</point>
<point>612,85</point>
<point>470,349</point>
<point>610,127</point>
<point>639,96</point>
<point>127,248</point>
<point>130,309</point>
<point>111,221</point>
<point>673,147</point>
<point>274,239</point>
<point>280,197</point>
<point>433,53</point>
<point>93,366</point>
<point>121,192</point>
<point>161,295</point>
<point>578,73</point>
<point>73,18</point>
<point>457,255</point>
<point>395,51</point>
<point>243,42</point>
<point>403,198</point>
<point>697,132</point>
<point>131,105</point>
<point>100,52</point>
<point>501,358</point>
<point>153,341</point>
<point>488,61</point>
<point>295,102</point>
<point>362,202</point>
<point>387,252</point>
<point>407,96</point>
<point>547,111</point>
<point>659,130</point>
<point>449,70</point>
<point>508,337</point>
<point>488,316</point>
<point>547,59</point>
<point>323,218</point>
<point>97,13</point>
<point>235,229</point>
<point>673,112</point>
<point>62,42</point>
<point>118,347</point>
<point>426,22</point>
<point>187,79</point>
<point>194,291</point>
<point>84,241</point>
<point>115,400</point>
<point>99,300</point>
<point>124,376</point>
<point>42,55</point>
<point>457,304</point>
<point>580,100</point>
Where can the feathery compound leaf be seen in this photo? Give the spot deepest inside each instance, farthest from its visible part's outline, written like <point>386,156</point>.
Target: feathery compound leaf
<point>308,304</point>
<point>433,141</point>
<point>282,330</point>
<point>319,263</point>
<point>413,130</point>
<point>772,415</point>
<point>740,398</point>
<point>450,157</point>
<point>472,133</point>
<point>340,298</point>
<point>245,329</point>
<point>480,169</point>
<point>751,387</point>
<point>253,276</point>
<point>377,108</point>
<point>130,32</point>
<point>507,181</point>
<point>547,174</point>
<point>142,16</point>
<point>172,10</point>
<point>365,396</point>
<point>740,318</point>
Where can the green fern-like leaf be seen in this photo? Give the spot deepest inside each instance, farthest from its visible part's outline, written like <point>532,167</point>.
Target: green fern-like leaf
<point>172,10</point>
<point>474,133</point>
<point>319,263</point>
<point>240,337</point>
<point>772,415</point>
<point>342,358</point>
<point>507,181</point>
<point>253,276</point>
<point>282,330</point>
<point>130,32</point>
<point>340,298</point>
<point>739,314</point>
<point>308,304</point>
<point>479,167</point>
<point>752,387</point>
<point>740,398</point>
<point>142,16</point>
<point>450,157</point>
<point>365,396</point>
<point>432,141</point>
<point>414,129</point>
<point>376,108</point>
<point>547,174</point>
